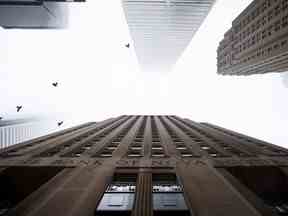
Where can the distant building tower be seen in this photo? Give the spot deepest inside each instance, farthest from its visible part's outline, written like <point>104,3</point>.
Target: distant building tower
<point>257,43</point>
<point>19,130</point>
<point>144,166</point>
<point>161,30</point>
<point>34,14</point>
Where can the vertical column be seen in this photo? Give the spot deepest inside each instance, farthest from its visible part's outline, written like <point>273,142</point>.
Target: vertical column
<point>143,201</point>
<point>209,194</point>
<point>1,138</point>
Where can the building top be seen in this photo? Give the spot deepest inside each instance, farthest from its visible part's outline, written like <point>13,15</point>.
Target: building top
<point>161,30</point>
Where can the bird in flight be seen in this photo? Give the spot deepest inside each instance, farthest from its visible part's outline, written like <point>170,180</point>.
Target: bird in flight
<point>1,118</point>
<point>60,123</point>
<point>55,84</point>
<point>18,108</point>
<point>127,45</point>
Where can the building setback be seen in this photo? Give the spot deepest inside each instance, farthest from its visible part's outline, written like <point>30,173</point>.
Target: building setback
<point>257,43</point>
<point>161,30</point>
<point>144,166</point>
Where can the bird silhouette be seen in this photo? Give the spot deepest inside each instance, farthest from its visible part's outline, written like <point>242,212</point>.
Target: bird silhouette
<point>60,123</point>
<point>18,108</point>
<point>127,45</point>
<point>55,84</point>
<point>1,118</point>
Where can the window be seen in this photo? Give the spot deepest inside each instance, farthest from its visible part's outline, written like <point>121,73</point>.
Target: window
<point>17,183</point>
<point>269,184</point>
<point>119,196</point>
<point>167,196</point>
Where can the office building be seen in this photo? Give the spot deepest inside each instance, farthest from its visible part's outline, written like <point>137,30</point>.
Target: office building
<point>13,131</point>
<point>161,30</point>
<point>34,14</point>
<point>257,43</point>
<point>144,166</point>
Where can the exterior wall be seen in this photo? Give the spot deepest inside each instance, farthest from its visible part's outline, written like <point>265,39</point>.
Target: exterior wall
<point>21,130</point>
<point>208,188</point>
<point>257,41</point>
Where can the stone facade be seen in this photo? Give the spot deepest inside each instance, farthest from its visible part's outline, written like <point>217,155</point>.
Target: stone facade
<point>257,43</point>
<point>73,172</point>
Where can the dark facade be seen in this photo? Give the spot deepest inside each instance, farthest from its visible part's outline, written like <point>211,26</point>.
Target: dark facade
<point>144,165</point>
<point>257,43</point>
<point>34,14</point>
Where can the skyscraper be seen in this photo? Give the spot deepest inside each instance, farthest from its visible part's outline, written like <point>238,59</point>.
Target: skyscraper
<point>144,165</point>
<point>257,42</point>
<point>34,14</point>
<point>13,131</point>
<point>161,30</point>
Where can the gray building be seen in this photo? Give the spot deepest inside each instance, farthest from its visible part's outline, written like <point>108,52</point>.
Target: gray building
<point>161,30</point>
<point>144,166</point>
<point>257,43</point>
<point>34,14</point>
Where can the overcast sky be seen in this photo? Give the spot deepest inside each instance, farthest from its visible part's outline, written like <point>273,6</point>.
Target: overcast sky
<point>99,78</point>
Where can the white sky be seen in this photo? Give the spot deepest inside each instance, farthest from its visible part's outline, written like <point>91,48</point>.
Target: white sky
<point>99,78</point>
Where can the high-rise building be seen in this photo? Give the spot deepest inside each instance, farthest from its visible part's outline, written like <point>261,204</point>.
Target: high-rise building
<point>34,14</point>
<point>13,131</point>
<point>257,43</point>
<point>144,166</point>
<point>161,30</point>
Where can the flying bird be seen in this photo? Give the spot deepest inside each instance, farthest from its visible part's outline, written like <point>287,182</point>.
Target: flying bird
<point>18,108</point>
<point>55,84</point>
<point>127,45</point>
<point>60,123</point>
<point>1,118</point>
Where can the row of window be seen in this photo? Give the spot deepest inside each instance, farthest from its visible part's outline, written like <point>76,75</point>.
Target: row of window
<point>266,148</point>
<point>119,197</point>
<point>227,148</point>
<point>268,184</point>
<point>17,151</point>
<point>266,33</point>
<point>273,13</point>
<point>211,151</point>
<point>157,148</point>
<point>108,150</point>
<point>264,52</point>
<point>136,147</point>
<point>66,146</point>
<point>260,10</point>
<point>178,142</point>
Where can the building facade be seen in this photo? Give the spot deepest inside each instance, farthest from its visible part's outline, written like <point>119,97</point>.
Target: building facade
<point>161,30</point>
<point>144,165</point>
<point>257,43</point>
<point>34,14</point>
<point>18,130</point>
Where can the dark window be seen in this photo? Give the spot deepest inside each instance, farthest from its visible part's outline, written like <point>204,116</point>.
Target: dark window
<point>119,196</point>
<point>270,184</point>
<point>17,183</point>
<point>168,196</point>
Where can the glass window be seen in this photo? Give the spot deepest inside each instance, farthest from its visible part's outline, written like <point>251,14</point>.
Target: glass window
<point>118,198</point>
<point>168,196</point>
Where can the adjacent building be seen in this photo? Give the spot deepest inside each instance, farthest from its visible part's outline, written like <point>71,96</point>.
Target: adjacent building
<point>144,165</point>
<point>161,30</point>
<point>34,14</point>
<point>13,131</point>
<point>257,43</point>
